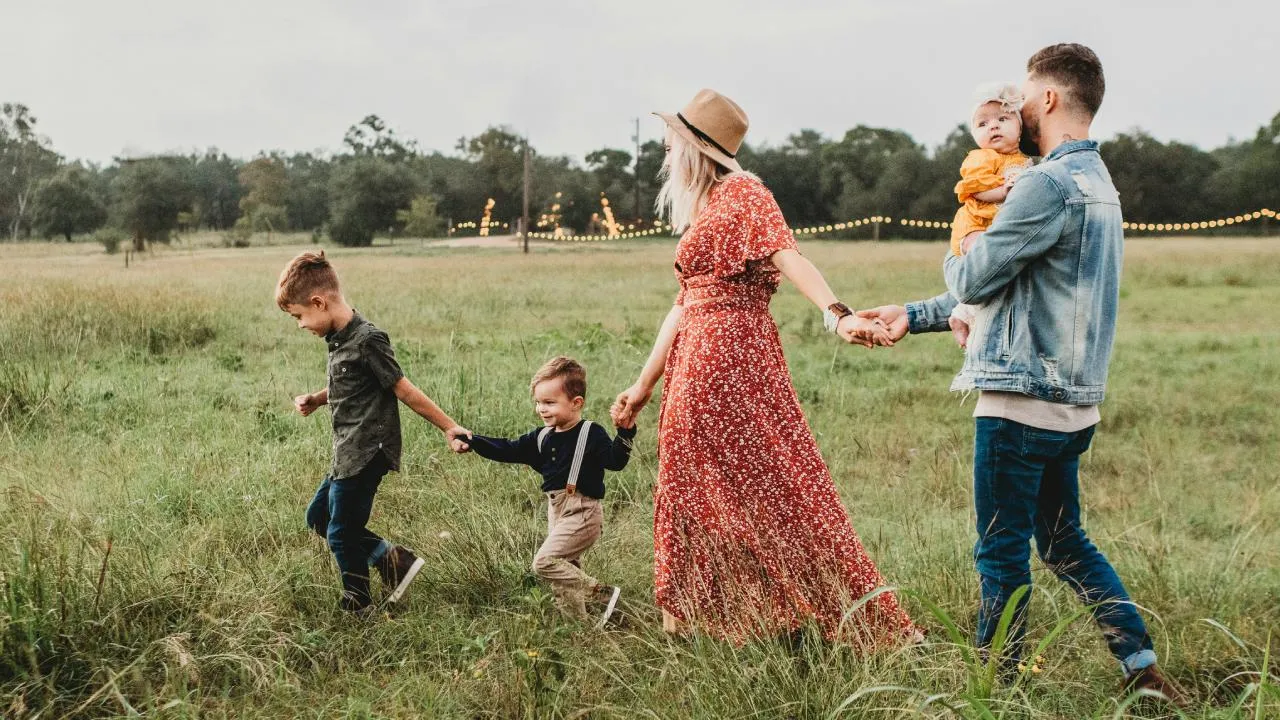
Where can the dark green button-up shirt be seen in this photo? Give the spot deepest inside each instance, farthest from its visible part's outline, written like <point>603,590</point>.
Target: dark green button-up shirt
<point>366,417</point>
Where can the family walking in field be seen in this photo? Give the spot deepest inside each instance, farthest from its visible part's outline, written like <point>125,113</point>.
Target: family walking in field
<point>751,539</point>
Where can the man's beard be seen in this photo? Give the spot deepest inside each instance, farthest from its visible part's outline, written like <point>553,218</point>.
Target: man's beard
<point>1028,141</point>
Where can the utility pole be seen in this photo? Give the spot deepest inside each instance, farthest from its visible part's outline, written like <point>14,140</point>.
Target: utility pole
<point>636,137</point>
<point>524,219</point>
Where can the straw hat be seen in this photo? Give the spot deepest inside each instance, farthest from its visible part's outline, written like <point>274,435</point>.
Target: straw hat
<point>712,123</point>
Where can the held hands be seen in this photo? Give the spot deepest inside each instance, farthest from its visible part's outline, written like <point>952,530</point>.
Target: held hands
<point>629,404</point>
<point>892,317</point>
<point>306,404</point>
<point>458,438</point>
<point>867,332</point>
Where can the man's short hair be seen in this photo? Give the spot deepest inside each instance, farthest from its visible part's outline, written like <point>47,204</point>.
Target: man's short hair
<point>1075,69</point>
<point>569,371</point>
<point>305,276</point>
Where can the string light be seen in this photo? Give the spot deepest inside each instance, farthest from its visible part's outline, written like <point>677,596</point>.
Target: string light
<point>552,219</point>
<point>1200,224</point>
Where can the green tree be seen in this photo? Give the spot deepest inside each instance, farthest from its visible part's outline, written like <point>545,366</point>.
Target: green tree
<point>266,183</point>
<point>149,194</point>
<point>66,204</point>
<point>1248,176</point>
<point>421,219</point>
<point>307,199</point>
<point>498,155</point>
<point>1159,182</point>
<point>372,137</point>
<point>25,160</point>
<point>614,177</point>
<point>214,179</point>
<point>364,195</point>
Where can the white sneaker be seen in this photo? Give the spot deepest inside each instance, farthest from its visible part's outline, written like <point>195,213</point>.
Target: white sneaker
<point>614,593</point>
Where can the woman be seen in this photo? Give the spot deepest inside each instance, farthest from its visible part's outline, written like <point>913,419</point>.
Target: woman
<point>750,537</point>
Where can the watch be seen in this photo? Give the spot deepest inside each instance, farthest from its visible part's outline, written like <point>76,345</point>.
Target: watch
<point>834,313</point>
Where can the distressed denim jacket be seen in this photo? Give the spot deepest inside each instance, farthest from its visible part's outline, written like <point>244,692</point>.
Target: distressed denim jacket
<point>1047,278</point>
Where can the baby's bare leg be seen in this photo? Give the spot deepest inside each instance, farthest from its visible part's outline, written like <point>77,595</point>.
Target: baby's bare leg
<point>970,240</point>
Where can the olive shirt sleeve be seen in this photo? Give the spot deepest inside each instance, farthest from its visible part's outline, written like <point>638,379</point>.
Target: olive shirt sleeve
<point>380,359</point>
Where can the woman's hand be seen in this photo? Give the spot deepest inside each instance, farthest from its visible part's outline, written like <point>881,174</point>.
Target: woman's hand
<point>862,331</point>
<point>629,404</point>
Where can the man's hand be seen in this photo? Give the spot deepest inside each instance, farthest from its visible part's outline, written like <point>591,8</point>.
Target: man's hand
<point>959,331</point>
<point>458,437</point>
<point>894,318</point>
<point>861,331</point>
<point>307,404</point>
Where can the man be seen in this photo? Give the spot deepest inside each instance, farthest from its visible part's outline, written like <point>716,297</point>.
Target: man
<point>1047,275</point>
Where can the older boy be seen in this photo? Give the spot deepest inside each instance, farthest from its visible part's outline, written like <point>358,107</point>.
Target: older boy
<point>572,456</point>
<point>365,381</point>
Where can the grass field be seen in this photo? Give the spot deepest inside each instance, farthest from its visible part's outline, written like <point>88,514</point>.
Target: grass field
<point>155,561</point>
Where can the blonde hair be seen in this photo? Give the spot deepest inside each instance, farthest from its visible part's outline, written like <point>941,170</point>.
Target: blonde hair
<point>306,275</point>
<point>571,373</point>
<point>687,178</point>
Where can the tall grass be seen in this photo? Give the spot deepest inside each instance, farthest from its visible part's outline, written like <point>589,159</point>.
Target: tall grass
<point>155,561</point>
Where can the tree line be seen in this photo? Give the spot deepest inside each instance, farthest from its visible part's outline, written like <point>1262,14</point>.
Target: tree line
<point>380,183</point>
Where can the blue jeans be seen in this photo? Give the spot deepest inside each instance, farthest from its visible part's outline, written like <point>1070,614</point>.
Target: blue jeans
<point>1026,484</point>
<point>338,513</point>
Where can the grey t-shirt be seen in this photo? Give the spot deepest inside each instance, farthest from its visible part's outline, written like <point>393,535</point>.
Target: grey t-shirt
<point>366,417</point>
<point>1036,412</point>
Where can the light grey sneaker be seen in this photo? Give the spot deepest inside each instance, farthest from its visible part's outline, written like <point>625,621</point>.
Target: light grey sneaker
<point>607,595</point>
<point>398,567</point>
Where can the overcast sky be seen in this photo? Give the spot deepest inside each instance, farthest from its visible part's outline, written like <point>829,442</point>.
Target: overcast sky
<point>249,75</point>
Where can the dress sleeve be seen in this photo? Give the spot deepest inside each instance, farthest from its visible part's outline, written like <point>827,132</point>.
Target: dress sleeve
<point>979,172</point>
<point>752,227</point>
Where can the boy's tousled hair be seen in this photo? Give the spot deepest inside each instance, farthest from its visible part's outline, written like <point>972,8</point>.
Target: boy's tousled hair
<point>306,275</point>
<point>1076,69</point>
<point>569,371</point>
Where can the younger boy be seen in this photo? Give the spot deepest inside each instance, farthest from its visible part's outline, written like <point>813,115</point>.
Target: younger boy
<point>364,383</point>
<point>571,454</point>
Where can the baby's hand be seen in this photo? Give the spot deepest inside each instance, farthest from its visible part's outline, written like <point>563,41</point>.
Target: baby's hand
<point>458,437</point>
<point>959,331</point>
<point>620,418</point>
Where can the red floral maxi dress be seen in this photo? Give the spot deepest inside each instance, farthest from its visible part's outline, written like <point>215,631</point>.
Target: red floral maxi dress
<point>751,539</point>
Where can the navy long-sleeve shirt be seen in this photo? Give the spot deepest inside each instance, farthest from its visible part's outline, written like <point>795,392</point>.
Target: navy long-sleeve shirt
<point>556,457</point>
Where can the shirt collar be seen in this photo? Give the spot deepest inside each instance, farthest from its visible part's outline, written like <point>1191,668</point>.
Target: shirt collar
<point>338,337</point>
<point>1071,146</point>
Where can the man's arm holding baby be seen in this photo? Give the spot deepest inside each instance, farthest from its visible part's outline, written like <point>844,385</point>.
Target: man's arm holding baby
<point>1026,228</point>
<point>994,195</point>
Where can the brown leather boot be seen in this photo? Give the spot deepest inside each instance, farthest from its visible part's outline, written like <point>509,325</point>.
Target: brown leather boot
<point>1150,678</point>
<point>398,567</point>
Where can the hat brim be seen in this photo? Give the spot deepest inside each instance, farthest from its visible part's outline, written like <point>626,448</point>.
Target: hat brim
<point>703,146</point>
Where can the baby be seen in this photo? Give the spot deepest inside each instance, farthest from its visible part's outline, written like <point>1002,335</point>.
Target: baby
<point>986,176</point>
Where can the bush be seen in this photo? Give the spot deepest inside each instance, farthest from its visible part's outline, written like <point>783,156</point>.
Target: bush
<point>110,239</point>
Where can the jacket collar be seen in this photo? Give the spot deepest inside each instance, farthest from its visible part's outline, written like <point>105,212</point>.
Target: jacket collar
<point>1071,146</point>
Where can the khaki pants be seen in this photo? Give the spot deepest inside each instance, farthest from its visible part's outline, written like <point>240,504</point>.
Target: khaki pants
<point>573,526</point>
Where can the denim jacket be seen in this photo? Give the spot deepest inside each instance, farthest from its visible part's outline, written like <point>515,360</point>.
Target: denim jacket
<point>1046,276</point>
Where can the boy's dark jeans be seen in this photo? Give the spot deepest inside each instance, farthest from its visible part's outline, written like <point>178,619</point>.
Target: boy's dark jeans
<point>338,513</point>
<point>1026,484</point>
